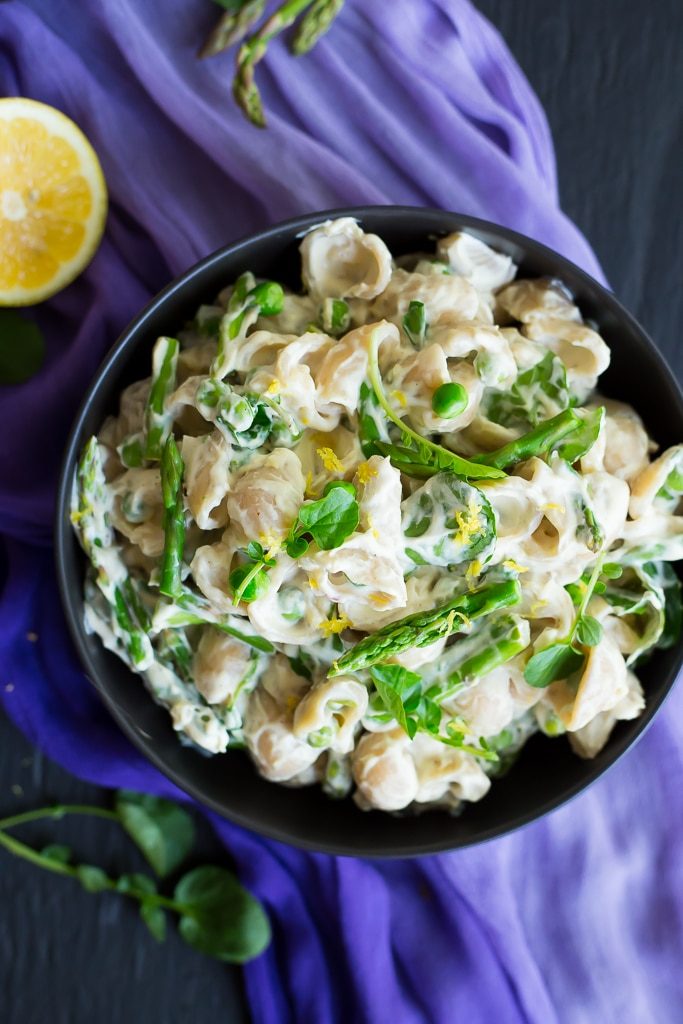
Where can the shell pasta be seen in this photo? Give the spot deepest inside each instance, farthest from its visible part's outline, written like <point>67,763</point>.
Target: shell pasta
<point>379,533</point>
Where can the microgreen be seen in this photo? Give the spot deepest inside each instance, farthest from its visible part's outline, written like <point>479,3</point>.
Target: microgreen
<point>415,323</point>
<point>217,916</point>
<point>418,456</point>
<point>250,581</point>
<point>563,658</point>
<point>327,521</point>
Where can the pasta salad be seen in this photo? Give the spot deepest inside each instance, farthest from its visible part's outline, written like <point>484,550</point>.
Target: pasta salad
<point>381,531</point>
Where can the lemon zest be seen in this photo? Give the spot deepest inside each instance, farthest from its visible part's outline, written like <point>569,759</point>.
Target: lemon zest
<point>536,606</point>
<point>510,563</point>
<point>274,388</point>
<point>313,582</point>
<point>551,506</point>
<point>365,472</point>
<point>400,397</point>
<point>330,460</point>
<point>332,626</point>
<point>473,570</point>
<point>380,600</point>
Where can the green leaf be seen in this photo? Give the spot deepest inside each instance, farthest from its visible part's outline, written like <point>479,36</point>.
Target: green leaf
<point>580,441</point>
<point>219,917</point>
<point>538,393</point>
<point>558,661</point>
<point>162,830</point>
<point>588,631</point>
<point>395,686</point>
<point>91,878</point>
<point>415,323</point>
<point>154,918</point>
<point>22,349</point>
<point>57,852</point>
<point>331,519</point>
<point>135,884</point>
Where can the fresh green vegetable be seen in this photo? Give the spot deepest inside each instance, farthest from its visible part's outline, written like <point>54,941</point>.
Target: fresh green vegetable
<point>233,26</point>
<point>190,609</point>
<point>314,24</point>
<point>247,303</point>
<point>246,420</point>
<point>538,393</point>
<point>449,400</point>
<point>89,516</point>
<point>563,658</point>
<point>402,697</point>
<point>372,425</point>
<point>249,582</point>
<point>334,317</point>
<point>163,831</point>
<point>415,323</point>
<point>216,915</point>
<point>170,582</point>
<point>498,639</point>
<point>132,451</point>
<point>448,521</point>
<point>418,457</point>
<point>253,50</point>
<point>570,434</point>
<point>669,494</point>
<point>328,521</point>
<point>157,420</point>
<point>424,628</point>
<point>22,348</point>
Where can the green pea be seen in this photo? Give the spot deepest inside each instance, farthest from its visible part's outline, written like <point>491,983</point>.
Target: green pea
<point>449,400</point>
<point>269,296</point>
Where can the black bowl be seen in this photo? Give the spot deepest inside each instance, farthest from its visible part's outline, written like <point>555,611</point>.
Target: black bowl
<point>547,773</point>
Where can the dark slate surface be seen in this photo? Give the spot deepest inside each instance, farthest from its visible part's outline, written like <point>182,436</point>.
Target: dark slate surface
<point>608,75</point>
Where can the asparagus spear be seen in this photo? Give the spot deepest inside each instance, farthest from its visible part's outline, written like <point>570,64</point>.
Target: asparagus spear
<point>174,519</point>
<point>314,24</point>
<point>89,516</point>
<point>190,609</point>
<point>418,453</point>
<point>232,26</point>
<point>253,50</point>
<point>247,303</point>
<point>568,433</point>
<point>424,628</point>
<point>476,656</point>
<point>157,420</point>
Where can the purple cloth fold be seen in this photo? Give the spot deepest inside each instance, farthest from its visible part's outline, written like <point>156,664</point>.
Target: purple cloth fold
<point>576,919</point>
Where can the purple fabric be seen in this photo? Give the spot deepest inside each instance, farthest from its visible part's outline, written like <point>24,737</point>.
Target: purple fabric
<point>576,919</point>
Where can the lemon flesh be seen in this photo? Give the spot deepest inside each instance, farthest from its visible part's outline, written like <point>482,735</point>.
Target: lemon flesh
<point>53,201</point>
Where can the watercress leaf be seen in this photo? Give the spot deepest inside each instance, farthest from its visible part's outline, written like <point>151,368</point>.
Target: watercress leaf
<point>92,879</point>
<point>331,519</point>
<point>154,918</point>
<point>162,830</point>
<point>135,884</point>
<point>400,691</point>
<point>22,349</point>
<point>58,852</point>
<point>580,441</point>
<point>558,661</point>
<point>612,570</point>
<point>588,631</point>
<point>219,917</point>
<point>297,546</point>
<point>255,550</point>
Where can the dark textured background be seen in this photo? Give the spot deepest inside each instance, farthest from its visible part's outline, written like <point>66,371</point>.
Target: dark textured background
<point>610,77</point>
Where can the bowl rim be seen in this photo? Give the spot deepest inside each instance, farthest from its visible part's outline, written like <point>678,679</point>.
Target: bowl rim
<point>296,227</point>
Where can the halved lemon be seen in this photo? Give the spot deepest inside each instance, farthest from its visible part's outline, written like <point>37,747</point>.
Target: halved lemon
<point>53,201</point>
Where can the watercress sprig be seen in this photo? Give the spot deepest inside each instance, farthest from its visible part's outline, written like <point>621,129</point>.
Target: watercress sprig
<point>401,693</point>
<point>564,657</point>
<point>327,521</point>
<point>418,456</point>
<point>216,915</point>
<point>250,581</point>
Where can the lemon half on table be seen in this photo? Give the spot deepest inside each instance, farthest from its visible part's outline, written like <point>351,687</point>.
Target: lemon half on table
<point>53,201</point>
